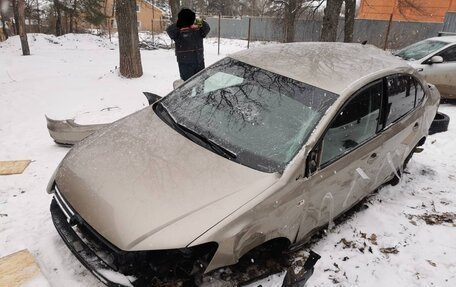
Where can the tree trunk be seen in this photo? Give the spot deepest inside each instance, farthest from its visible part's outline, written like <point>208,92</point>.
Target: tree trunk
<point>4,28</point>
<point>2,15</point>
<point>175,7</point>
<point>330,21</point>
<point>290,18</point>
<point>201,6</point>
<point>38,15</point>
<point>127,27</point>
<point>350,7</point>
<point>187,4</point>
<point>16,16</point>
<point>58,18</point>
<point>22,33</point>
<point>67,23</point>
<point>73,16</point>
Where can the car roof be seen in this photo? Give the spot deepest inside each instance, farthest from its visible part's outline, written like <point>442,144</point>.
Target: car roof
<point>330,66</point>
<point>447,39</point>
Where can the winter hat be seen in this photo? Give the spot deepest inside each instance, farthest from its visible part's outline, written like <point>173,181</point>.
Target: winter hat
<point>185,18</point>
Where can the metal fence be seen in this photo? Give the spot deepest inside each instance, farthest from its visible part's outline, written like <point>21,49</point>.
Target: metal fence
<point>373,31</point>
<point>450,22</point>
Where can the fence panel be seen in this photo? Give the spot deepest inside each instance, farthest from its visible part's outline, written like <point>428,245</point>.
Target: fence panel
<point>372,31</point>
<point>450,22</point>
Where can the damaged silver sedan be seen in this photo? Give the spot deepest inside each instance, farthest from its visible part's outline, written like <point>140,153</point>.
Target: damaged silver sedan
<point>264,147</point>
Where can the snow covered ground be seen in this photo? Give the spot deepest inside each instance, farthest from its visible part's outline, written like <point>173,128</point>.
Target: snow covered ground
<point>399,240</point>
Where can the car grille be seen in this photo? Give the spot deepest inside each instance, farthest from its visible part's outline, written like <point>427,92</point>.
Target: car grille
<point>105,250</point>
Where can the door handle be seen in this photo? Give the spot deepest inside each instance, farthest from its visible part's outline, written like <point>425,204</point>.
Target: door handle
<point>301,202</point>
<point>420,69</point>
<point>374,155</point>
<point>416,126</point>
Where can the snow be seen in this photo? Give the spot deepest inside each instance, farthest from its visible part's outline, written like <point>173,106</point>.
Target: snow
<point>38,280</point>
<point>76,76</point>
<point>117,277</point>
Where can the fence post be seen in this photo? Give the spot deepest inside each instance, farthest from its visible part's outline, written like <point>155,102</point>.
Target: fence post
<point>153,20</point>
<point>387,32</point>
<point>220,15</point>
<point>248,33</point>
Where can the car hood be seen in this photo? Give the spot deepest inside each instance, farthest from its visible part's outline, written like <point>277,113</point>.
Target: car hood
<point>138,179</point>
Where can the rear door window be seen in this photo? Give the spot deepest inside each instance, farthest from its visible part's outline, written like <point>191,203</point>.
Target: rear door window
<point>401,93</point>
<point>419,92</point>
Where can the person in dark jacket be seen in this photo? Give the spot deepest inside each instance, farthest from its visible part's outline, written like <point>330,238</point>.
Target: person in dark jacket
<point>188,36</point>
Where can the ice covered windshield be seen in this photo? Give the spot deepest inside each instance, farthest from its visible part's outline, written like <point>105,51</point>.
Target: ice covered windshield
<point>261,117</point>
<point>420,49</point>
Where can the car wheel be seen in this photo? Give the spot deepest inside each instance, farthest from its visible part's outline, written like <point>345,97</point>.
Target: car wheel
<point>439,124</point>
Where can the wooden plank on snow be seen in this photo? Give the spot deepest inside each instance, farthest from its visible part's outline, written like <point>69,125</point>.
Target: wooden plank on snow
<point>19,268</point>
<point>13,167</point>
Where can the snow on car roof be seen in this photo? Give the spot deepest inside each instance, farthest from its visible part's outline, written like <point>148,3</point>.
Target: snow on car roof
<point>331,66</point>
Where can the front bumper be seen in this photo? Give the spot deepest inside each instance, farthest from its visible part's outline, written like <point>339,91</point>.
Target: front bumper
<point>85,255</point>
<point>119,268</point>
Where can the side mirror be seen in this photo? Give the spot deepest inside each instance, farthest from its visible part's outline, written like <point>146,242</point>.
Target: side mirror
<point>151,97</point>
<point>435,60</point>
<point>312,162</point>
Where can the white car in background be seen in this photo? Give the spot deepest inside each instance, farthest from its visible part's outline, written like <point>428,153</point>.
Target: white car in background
<point>435,59</point>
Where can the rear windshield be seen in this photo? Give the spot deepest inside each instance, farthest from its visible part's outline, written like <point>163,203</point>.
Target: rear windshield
<point>262,117</point>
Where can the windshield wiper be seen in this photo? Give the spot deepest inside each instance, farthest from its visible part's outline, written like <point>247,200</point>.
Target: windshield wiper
<point>164,114</point>
<point>218,149</point>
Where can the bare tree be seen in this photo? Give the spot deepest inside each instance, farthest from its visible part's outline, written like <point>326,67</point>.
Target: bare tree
<point>127,27</point>
<point>259,7</point>
<point>201,7</point>
<point>73,11</point>
<point>330,21</point>
<point>410,5</point>
<point>16,16</point>
<point>38,13</point>
<point>289,10</point>
<point>229,8</point>
<point>22,33</point>
<point>58,18</point>
<point>175,7</point>
<point>350,9</point>
<point>3,16</point>
<point>187,4</point>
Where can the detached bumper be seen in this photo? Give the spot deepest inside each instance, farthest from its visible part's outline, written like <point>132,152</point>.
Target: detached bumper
<point>67,132</point>
<point>85,255</point>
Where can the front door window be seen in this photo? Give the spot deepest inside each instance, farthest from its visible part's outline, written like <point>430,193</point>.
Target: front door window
<point>355,124</point>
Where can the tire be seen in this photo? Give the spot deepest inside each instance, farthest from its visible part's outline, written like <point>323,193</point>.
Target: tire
<point>439,124</point>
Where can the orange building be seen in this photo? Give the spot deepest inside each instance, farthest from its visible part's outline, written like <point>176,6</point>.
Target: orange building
<point>406,10</point>
<point>149,17</point>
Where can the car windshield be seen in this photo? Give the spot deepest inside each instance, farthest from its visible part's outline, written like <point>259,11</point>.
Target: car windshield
<point>261,118</point>
<point>420,49</point>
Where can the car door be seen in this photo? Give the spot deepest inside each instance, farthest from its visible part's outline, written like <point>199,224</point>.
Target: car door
<point>341,169</point>
<point>403,123</point>
<point>443,75</point>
